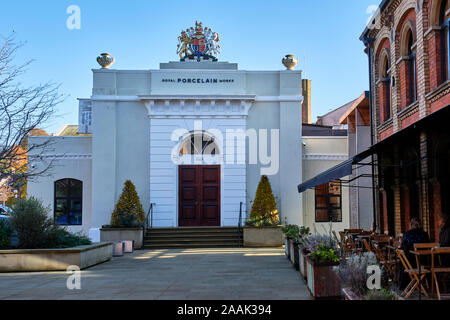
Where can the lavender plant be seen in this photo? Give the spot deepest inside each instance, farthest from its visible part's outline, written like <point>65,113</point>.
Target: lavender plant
<point>353,271</point>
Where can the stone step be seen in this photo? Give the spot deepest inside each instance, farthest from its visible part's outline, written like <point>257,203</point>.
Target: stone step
<point>190,246</point>
<point>192,237</point>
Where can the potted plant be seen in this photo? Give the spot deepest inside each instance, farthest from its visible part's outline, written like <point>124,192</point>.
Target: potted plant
<point>263,228</point>
<point>290,232</point>
<point>322,280</point>
<point>127,218</point>
<point>352,272</point>
<point>302,251</point>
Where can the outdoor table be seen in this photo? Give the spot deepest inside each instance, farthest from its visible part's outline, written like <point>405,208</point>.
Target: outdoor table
<point>420,254</point>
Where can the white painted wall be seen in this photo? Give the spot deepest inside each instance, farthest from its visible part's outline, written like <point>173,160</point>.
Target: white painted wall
<point>319,155</point>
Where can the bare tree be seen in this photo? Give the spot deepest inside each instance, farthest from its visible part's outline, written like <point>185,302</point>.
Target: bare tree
<point>22,110</point>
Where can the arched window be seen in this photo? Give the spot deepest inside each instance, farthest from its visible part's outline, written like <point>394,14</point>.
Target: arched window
<point>412,83</point>
<point>444,23</point>
<point>199,144</point>
<point>68,202</point>
<point>386,88</point>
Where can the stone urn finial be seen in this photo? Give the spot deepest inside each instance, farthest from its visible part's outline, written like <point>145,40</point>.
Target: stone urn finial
<point>105,60</point>
<point>290,61</point>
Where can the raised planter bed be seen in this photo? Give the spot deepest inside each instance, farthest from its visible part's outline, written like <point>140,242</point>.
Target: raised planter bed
<point>286,248</point>
<point>120,234</point>
<point>26,260</point>
<point>263,237</point>
<point>302,253</point>
<point>322,281</point>
<point>293,248</point>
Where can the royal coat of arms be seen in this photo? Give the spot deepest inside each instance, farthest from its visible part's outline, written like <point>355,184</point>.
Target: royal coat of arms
<point>198,44</point>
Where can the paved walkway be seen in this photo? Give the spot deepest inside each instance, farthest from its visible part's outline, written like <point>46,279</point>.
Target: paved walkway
<point>188,274</point>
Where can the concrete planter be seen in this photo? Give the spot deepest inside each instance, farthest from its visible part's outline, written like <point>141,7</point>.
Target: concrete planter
<point>293,245</point>
<point>302,253</point>
<point>121,234</point>
<point>286,248</point>
<point>263,237</point>
<point>26,260</point>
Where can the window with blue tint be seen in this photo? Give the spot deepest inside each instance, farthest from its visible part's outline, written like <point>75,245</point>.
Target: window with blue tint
<point>68,202</point>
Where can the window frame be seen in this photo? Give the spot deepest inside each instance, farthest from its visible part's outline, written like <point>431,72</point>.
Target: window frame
<point>68,198</point>
<point>329,207</point>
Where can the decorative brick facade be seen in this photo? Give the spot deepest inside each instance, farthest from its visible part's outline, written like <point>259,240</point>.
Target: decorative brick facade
<point>413,37</point>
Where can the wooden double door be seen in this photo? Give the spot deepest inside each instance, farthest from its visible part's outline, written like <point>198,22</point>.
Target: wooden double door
<point>199,196</point>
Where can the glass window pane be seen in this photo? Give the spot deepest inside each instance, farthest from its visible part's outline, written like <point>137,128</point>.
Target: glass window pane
<point>61,218</point>
<point>336,214</point>
<point>335,187</point>
<point>75,204</point>
<point>321,202</point>
<point>322,215</point>
<point>322,190</point>
<point>75,218</point>
<point>76,189</point>
<point>62,188</point>
<point>335,202</point>
<point>61,205</point>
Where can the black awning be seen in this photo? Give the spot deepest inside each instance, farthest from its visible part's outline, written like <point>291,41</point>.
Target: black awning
<point>344,169</point>
<point>341,170</point>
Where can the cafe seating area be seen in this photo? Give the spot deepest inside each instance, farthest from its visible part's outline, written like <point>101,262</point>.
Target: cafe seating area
<point>426,268</point>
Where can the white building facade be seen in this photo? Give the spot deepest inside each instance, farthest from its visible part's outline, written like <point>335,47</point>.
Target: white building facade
<point>193,136</point>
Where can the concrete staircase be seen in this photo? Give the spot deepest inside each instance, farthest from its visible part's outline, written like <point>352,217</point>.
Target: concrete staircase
<point>192,237</point>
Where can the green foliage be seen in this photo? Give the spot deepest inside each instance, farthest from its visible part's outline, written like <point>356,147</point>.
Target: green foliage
<point>313,242</point>
<point>325,253</point>
<point>5,234</point>
<point>128,212</point>
<point>35,230</point>
<point>264,207</point>
<point>30,220</point>
<point>295,232</point>
<point>382,294</point>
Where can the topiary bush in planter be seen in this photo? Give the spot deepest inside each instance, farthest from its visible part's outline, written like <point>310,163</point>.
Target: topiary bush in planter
<point>264,210</point>
<point>35,230</point>
<point>128,212</point>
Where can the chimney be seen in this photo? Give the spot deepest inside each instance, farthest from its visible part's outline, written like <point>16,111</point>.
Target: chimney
<point>306,107</point>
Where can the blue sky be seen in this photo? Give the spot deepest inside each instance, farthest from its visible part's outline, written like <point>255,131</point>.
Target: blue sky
<point>142,33</point>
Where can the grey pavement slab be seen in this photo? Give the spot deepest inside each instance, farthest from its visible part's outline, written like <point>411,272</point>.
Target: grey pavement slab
<point>184,274</point>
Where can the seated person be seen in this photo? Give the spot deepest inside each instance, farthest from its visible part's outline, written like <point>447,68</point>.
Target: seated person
<point>415,235</point>
<point>444,236</point>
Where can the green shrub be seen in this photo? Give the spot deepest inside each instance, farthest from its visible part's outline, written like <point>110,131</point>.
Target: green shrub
<point>35,230</point>
<point>30,220</point>
<point>382,294</point>
<point>128,212</point>
<point>5,234</point>
<point>325,253</point>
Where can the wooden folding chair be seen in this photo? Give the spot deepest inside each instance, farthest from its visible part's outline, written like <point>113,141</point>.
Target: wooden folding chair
<point>388,264</point>
<point>352,245</point>
<point>367,246</point>
<point>437,269</point>
<point>413,274</point>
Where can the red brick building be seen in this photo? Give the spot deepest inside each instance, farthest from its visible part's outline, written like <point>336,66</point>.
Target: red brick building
<point>408,47</point>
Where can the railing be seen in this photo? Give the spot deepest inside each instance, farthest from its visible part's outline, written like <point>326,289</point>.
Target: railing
<point>240,224</point>
<point>145,226</point>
